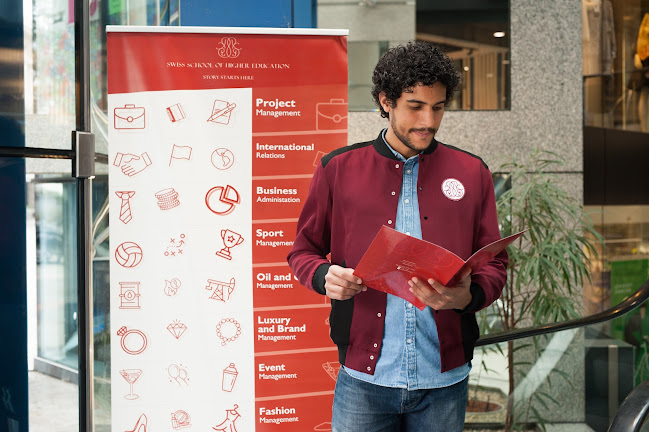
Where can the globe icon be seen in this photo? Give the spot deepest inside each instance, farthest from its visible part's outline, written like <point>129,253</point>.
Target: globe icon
<point>222,158</point>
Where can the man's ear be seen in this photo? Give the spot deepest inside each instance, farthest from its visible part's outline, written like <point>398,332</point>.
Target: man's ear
<point>385,102</point>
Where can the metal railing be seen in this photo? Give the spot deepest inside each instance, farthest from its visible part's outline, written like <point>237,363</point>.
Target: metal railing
<point>627,305</point>
<point>633,411</point>
<point>635,408</point>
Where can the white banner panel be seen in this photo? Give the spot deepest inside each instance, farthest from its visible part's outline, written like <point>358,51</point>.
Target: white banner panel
<point>214,137</point>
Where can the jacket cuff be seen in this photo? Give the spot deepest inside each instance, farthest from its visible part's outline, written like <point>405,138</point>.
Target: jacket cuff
<point>318,280</point>
<point>477,300</point>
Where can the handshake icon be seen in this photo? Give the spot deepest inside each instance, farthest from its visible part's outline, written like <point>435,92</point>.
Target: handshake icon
<point>131,164</point>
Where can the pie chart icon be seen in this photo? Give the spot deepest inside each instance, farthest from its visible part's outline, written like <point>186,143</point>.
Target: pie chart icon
<point>221,200</point>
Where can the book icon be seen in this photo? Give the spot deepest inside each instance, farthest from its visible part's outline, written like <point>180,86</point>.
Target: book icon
<point>175,113</point>
<point>221,112</point>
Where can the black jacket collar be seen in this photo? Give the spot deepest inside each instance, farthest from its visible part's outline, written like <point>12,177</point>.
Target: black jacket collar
<point>383,150</point>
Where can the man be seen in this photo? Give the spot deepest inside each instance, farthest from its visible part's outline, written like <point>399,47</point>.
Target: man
<point>403,369</point>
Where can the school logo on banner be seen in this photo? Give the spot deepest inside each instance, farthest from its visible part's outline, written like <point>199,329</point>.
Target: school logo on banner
<point>228,48</point>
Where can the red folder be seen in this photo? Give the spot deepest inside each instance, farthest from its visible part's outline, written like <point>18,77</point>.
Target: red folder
<point>394,258</point>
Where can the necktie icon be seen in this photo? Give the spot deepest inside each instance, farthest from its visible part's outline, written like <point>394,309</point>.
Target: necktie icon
<point>125,208</point>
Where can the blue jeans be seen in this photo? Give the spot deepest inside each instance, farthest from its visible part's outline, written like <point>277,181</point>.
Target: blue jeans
<point>365,407</point>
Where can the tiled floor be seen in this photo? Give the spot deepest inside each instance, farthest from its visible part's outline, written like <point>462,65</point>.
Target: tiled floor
<point>53,404</point>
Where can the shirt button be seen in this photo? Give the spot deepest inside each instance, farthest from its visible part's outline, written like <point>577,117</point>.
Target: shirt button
<point>378,314</point>
<point>369,368</point>
<point>409,171</point>
<point>420,188</point>
<point>409,305</point>
<point>396,166</point>
<point>394,193</point>
<point>407,200</point>
<point>408,233</point>
<point>409,340</point>
<point>376,345</point>
<point>390,222</point>
<point>371,357</point>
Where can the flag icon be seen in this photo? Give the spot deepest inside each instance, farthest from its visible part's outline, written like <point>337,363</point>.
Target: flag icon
<point>180,152</point>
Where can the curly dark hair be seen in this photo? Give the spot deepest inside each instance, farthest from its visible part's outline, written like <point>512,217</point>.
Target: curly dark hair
<point>404,66</point>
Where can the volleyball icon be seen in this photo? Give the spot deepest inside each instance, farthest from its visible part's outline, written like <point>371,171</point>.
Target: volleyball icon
<point>128,254</point>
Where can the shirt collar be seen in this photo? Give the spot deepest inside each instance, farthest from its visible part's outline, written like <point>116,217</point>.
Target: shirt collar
<point>396,153</point>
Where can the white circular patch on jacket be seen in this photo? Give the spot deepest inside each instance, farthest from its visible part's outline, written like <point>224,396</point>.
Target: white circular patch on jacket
<point>453,189</point>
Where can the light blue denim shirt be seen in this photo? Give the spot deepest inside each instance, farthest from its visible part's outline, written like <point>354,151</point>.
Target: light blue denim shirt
<point>410,353</point>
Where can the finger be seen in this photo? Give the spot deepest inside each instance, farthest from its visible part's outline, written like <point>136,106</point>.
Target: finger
<point>437,286</point>
<point>422,284</point>
<point>339,276</point>
<point>424,292</point>
<point>346,274</point>
<point>339,293</point>
<point>334,280</point>
<point>429,298</point>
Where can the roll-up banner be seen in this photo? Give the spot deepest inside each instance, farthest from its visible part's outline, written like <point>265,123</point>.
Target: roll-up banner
<point>214,135</point>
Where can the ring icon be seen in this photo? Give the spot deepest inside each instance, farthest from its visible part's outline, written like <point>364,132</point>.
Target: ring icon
<point>133,341</point>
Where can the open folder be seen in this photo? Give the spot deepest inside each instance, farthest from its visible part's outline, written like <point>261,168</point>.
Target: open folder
<point>394,258</point>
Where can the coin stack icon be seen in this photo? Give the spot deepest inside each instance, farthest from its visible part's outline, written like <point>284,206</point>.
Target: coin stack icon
<point>167,199</point>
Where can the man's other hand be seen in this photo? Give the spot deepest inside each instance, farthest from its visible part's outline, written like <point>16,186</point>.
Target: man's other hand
<point>440,297</point>
<point>342,284</point>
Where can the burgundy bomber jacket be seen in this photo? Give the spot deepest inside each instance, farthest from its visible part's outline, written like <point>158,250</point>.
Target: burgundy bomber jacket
<point>354,191</point>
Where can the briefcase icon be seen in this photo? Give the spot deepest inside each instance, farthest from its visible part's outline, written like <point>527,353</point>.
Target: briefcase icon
<point>129,117</point>
<point>331,115</point>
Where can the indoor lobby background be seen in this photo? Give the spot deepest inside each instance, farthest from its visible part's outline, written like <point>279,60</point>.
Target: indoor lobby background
<point>567,76</point>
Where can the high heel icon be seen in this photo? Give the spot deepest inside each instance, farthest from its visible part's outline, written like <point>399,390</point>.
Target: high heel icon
<point>140,426</point>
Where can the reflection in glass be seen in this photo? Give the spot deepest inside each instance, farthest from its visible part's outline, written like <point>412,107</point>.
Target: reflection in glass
<point>615,35</point>
<point>54,213</point>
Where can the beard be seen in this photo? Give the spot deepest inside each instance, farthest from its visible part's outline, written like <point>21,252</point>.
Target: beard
<point>403,137</point>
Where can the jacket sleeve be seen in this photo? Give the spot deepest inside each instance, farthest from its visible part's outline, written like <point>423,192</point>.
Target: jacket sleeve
<point>307,257</point>
<point>488,282</point>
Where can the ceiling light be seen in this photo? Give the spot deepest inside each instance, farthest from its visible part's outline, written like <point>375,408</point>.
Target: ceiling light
<point>499,34</point>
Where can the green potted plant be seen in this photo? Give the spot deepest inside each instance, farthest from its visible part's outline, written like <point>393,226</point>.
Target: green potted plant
<point>547,266</point>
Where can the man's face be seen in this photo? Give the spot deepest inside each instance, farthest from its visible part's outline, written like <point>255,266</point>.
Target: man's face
<point>414,117</point>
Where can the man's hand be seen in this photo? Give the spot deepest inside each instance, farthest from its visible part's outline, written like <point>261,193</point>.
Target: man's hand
<point>440,297</point>
<point>342,284</point>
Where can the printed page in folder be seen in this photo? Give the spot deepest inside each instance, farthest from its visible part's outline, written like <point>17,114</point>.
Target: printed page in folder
<point>394,258</point>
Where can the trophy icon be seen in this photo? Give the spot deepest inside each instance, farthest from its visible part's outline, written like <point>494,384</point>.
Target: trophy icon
<point>230,240</point>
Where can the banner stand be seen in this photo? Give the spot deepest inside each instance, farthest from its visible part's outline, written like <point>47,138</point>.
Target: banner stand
<point>214,135</point>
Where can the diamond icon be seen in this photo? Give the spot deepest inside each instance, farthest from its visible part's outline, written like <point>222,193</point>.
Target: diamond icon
<point>177,329</point>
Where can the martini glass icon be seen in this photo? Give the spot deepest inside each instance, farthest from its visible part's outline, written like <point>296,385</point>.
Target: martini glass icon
<point>131,375</point>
